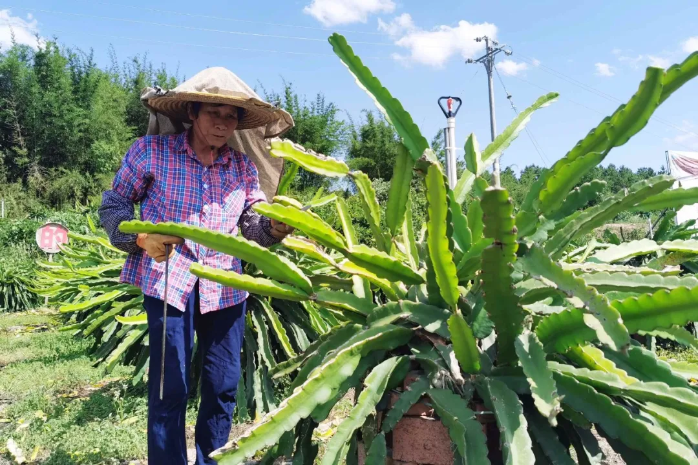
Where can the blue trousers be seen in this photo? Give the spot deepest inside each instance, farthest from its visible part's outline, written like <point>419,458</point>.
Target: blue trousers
<point>220,336</point>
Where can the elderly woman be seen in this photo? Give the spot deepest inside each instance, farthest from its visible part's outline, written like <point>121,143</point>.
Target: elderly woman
<point>193,178</point>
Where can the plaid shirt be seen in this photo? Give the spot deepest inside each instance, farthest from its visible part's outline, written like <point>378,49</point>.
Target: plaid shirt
<point>164,175</point>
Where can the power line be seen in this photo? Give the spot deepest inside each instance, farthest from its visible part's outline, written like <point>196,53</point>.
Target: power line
<point>192,28</point>
<point>597,92</point>
<point>237,20</point>
<point>545,68</point>
<point>570,79</point>
<point>592,109</point>
<point>221,47</point>
<point>534,142</point>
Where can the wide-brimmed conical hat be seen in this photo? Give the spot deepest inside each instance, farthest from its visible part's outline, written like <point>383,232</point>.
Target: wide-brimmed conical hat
<point>261,120</point>
<point>220,85</point>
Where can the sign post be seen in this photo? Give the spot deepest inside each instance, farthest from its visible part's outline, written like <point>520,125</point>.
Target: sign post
<point>49,238</point>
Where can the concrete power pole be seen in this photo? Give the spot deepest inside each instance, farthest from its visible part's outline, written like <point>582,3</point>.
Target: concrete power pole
<point>492,48</point>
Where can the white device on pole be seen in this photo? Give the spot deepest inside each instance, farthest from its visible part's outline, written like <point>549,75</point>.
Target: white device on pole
<point>450,137</point>
<point>683,166</point>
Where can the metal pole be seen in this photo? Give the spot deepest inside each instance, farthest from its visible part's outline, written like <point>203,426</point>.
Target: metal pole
<point>451,152</point>
<point>450,137</point>
<point>164,319</point>
<point>447,140</point>
<point>489,65</point>
<point>3,208</point>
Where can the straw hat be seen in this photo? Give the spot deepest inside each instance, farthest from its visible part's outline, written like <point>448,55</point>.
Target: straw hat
<point>219,85</point>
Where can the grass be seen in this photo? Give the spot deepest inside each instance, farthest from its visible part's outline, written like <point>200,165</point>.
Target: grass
<point>680,354</point>
<point>61,410</point>
<point>56,406</point>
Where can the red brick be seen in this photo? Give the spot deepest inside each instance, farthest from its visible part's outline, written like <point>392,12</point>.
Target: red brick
<point>419,409</point>
<point>411,377</point>
<point>423,441</point>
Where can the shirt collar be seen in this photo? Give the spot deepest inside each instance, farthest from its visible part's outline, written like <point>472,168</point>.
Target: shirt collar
<point>225,153</point>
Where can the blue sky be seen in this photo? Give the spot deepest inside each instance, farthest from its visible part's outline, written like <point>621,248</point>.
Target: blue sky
<point>594,53</point>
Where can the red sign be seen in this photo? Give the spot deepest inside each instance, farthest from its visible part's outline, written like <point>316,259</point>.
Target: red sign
<point>50,236</point>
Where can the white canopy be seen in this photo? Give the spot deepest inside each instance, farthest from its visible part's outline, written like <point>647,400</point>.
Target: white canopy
<point>683,166</point>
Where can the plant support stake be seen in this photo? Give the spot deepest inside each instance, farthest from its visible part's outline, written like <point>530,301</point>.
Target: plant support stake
<point>450,137</point>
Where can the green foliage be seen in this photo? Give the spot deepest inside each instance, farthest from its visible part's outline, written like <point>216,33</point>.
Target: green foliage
<point>62,406</point>
<point>317,127</point>
<point>419,298</point>
<point>16,279</point>
<point>373,147</point>
<point>66,123</point>
<point>501,302</point>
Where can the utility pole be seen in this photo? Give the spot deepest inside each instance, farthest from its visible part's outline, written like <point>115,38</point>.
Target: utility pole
<point>492,48</point>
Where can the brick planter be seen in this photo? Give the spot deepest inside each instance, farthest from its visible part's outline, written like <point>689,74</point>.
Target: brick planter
<point>420,438</point>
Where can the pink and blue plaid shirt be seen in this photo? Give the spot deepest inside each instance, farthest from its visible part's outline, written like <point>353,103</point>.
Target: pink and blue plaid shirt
<point>164,175</point>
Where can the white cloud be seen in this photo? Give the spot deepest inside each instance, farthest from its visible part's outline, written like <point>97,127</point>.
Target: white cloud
<point>659,62</point>
<point>332,12</point>
<point>511,68</point>
<point>690,45</point>
<point>604,69</point>
<point>632,61</point>
<point>24,30</point>
<point>398,26</point>
<point>436,47</point>
<point>638,61</point>
<point>687,138</point>
<point>535,62</point>
<point>616,51</point>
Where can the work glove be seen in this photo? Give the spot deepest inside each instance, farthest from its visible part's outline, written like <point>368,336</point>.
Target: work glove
<point>154,245</point>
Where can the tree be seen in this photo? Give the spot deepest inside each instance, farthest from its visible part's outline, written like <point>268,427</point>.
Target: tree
<point>317,127</point>
<point>65,124</point>
<point>373,147</point>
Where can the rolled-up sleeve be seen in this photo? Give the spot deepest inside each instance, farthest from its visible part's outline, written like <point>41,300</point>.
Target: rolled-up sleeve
<point>114,210</point>
<point>129,187</point>
<point>257,228</point>
<point>253,226</point>
<point>133,178</point>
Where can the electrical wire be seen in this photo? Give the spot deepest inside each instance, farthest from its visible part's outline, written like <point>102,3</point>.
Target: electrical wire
<point>237,20</point>
<point>597,92</point>
<point>533,140</point>
<point>592,109</point>
<point>191,28</point>
<point>184,44</point>
<point>530,60</point>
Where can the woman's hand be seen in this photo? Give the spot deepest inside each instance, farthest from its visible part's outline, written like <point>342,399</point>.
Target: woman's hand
<point>280,230</point>
<point>154,245</point>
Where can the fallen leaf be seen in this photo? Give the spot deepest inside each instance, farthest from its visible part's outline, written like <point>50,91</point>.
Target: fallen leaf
<point>16,452</point>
